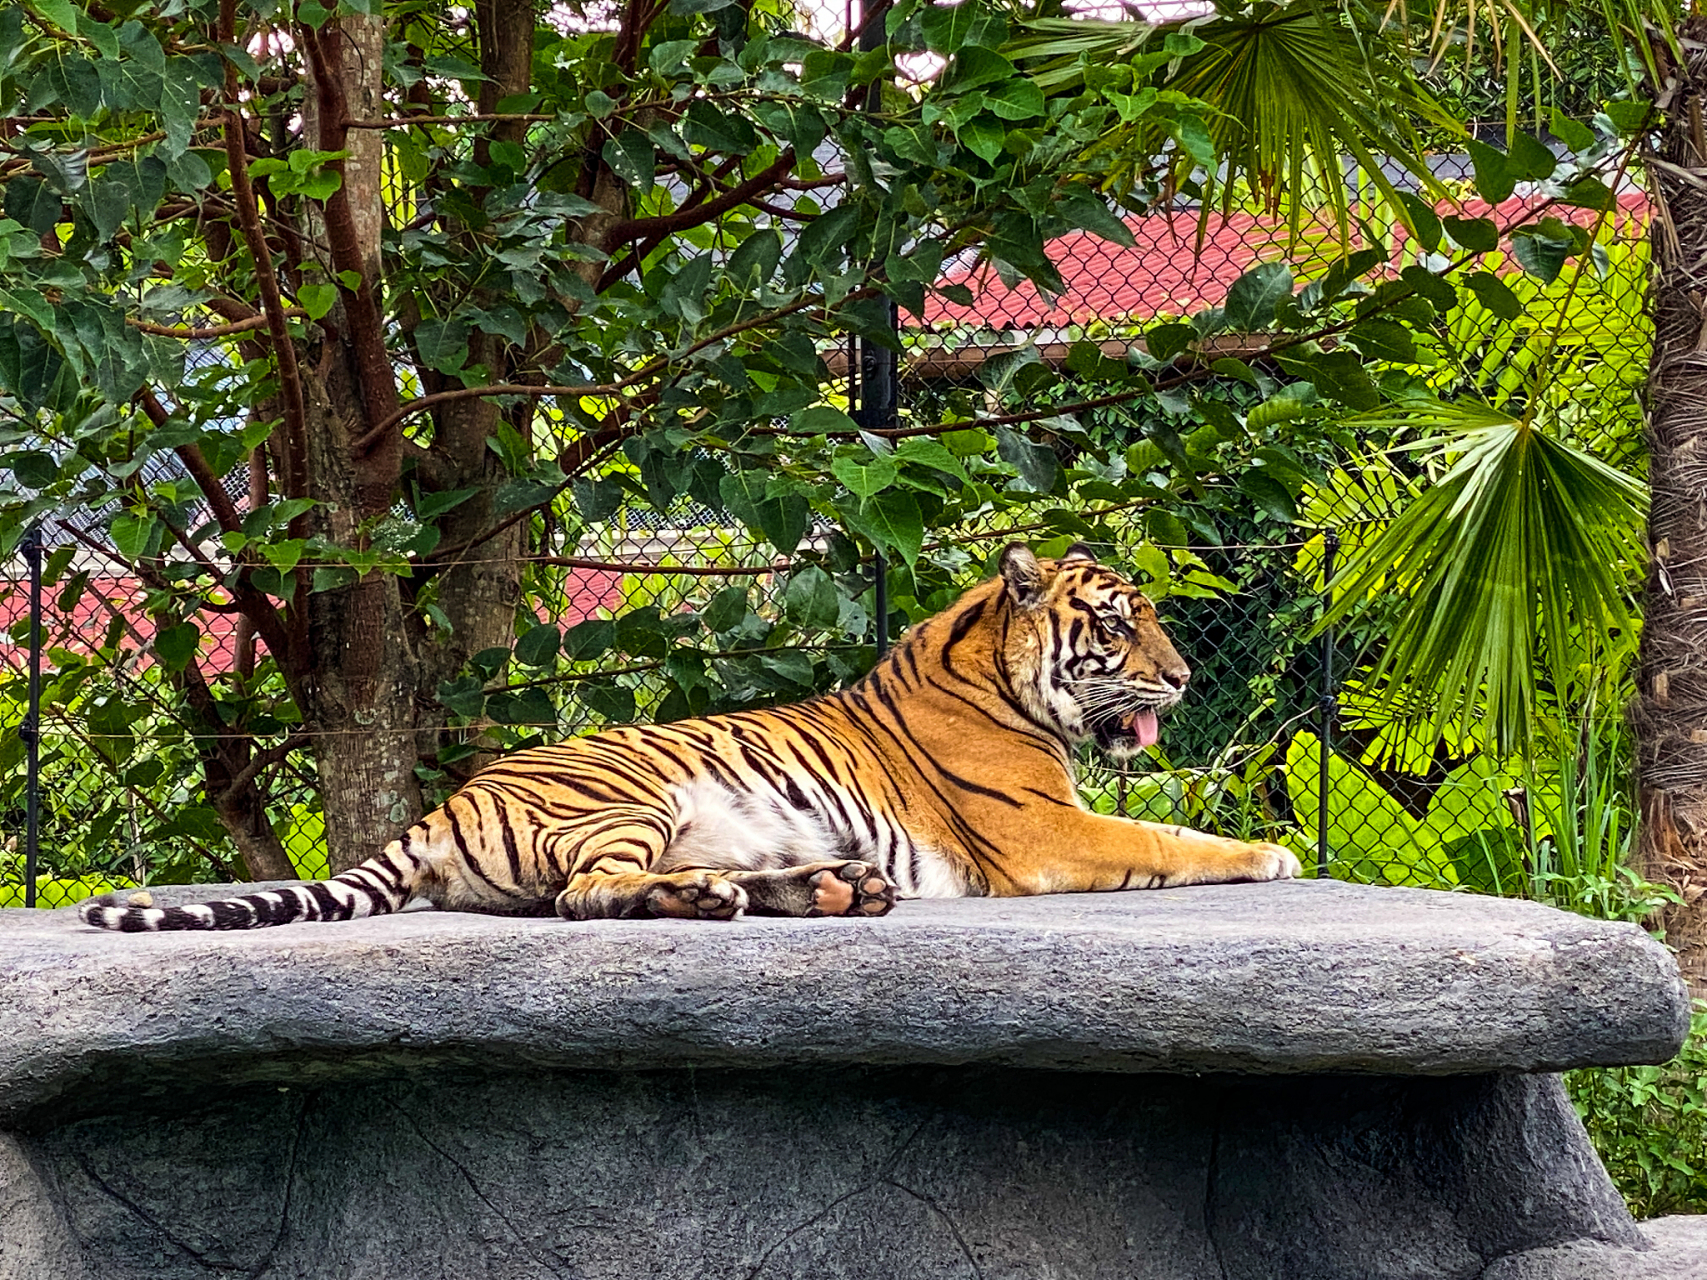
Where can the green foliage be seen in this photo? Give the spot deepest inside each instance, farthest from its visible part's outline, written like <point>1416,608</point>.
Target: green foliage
<point>1514,512</point>
<point>1649,1125</point>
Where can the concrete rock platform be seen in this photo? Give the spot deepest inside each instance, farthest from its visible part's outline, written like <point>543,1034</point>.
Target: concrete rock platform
<point>1303,1079</point>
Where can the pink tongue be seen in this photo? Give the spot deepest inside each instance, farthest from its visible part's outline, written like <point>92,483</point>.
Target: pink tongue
<point>1144,725</point>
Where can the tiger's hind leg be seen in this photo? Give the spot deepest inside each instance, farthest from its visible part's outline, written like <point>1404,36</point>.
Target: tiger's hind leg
<point>684,895</point>
<point>816,889</point>
<point>609,860</point>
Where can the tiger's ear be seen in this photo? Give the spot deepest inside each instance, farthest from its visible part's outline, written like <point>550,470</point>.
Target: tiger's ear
<point>1078,551</point>
<point>1023,575</point>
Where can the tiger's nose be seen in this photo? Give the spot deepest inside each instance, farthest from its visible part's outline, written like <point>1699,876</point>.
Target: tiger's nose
<point>1176,678</point>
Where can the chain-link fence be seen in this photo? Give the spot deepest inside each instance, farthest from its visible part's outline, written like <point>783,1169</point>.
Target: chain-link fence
<point>1278,740</point>
<point>1267,746</point>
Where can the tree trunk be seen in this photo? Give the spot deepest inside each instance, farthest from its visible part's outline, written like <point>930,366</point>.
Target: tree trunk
<point>364,688</point>
<point>1671,710</point>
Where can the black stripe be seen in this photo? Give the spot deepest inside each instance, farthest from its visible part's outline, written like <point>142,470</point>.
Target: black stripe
<point>327,901</point>
<point>510,850</point>
<point>468,858</point>
<point>965,784</point>
<point>231,914</point>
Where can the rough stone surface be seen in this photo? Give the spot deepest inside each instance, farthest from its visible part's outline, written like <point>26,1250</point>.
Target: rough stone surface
<point>1678,1251</point>
<point>976,1090</point>
<point>35,1241</point>
<point>921,1173</point>
<point>1300,977</point>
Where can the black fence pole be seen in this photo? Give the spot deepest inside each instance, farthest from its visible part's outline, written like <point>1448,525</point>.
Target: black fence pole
<point>30,730</point>
<point>878,390</point>
<point>1327,706</point>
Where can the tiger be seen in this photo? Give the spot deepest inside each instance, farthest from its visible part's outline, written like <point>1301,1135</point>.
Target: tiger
<point>946,771</point>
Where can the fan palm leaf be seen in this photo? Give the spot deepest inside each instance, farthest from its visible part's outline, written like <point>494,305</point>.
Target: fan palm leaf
<point>1521,555</point>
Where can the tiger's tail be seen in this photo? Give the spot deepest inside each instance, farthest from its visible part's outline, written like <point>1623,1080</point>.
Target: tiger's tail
<point>377,887</point>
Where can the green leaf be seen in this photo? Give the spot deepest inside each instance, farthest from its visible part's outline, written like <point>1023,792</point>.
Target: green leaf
<point>633,158</point>
<point>1423,221</point>
<point>1083,208</point>
<point>1268,493</point>
<point>891,521</point>
<point>1494,179</point>
<point>1573,133</point>
<point>781,519</point>
<point>821,418</point>
<point>33,468</point>
<point>317,299</point>
<point>983,137</point>
<point>927,451</point>
<point>596,500</point>
<point>135,536</point>
<point>1379,339</point>
<point>810,601</point>
<point>443,344</point>
<point>1474,235</point>
<point>1494,294</point>
<point>946,28</point>
<point>727,610</point>
<point>1252,298</point>
<point>175,646</point>
<point>537,647</point>
<point>868,478</point>
<point>1337,374</point>
<point>590,639</point>
<point>972,66</point>
<point>1165,341</point>
<point>1015,100</point>
<point>684,295</point>
<point>1540,255</point>
<point>62,13</point>
<point>430,506</point>
<point>755,258</point>
<point>1039,469</point>
<point>1528,160</point>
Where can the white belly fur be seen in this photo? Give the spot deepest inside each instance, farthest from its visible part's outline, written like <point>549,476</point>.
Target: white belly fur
<point>743,831</point>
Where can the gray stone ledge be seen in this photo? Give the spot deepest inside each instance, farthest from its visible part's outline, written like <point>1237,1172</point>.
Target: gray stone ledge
<point>1299,977</point>
<point>1677,1251</point>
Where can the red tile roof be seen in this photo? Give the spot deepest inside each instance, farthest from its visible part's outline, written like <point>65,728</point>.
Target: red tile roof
<point>1163,274</point>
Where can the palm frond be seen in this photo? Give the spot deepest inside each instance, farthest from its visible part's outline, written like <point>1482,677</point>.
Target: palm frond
<point>1296,88</point>
<point>1522,554</point>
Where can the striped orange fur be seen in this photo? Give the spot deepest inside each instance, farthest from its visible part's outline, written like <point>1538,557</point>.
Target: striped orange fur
<point>946,771</point>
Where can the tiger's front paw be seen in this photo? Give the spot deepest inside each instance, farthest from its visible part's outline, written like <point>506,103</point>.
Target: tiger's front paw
<point>1272,862</point>
<point>850,889</point>
<point>696,895</point>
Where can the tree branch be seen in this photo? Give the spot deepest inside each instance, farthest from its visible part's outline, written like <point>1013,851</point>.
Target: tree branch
<point>257,762</point>
<point>266,280</point>
<point>213,331</point>
<point>473,117</point>
<point>667,224</point>
<point>361,307</point>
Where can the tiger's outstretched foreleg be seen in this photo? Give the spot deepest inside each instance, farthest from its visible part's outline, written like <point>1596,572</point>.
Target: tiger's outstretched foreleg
<point>1092,852</point>
<point>816,889</point>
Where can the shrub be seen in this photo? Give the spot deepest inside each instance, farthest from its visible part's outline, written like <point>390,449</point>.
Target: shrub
<point>1650,1125</point>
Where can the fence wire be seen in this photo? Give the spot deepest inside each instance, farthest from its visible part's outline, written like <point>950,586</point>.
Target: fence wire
<point>1261,749</point>
<point>1276,740</point>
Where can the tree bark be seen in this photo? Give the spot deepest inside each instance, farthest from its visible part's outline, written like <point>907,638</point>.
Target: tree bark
<point>1671,710</point>
<point>365,685</point>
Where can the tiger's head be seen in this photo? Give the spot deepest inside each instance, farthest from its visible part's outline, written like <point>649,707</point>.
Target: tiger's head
<point>1085,650</point>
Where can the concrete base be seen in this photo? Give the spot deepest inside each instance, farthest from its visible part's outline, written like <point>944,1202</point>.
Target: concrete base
<point>1243,1082</point>
<point>870,1173</point>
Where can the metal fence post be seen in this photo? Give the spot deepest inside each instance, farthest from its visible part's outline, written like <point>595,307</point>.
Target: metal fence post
<point>1327,706</point>
<point>30,730</point>
<point>878,392</point>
